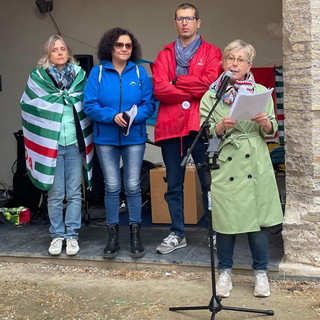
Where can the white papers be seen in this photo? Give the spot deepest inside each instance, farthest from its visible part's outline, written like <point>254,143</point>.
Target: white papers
<point>129,117</point>
<point>246,105</point>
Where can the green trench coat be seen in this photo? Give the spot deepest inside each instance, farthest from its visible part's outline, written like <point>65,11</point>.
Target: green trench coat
<point>244,192</point>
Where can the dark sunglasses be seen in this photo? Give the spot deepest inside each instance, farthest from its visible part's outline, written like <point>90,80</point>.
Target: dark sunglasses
<point>120,45</point>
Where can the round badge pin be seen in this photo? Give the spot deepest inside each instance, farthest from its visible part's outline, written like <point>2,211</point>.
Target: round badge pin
<point>185,105</point>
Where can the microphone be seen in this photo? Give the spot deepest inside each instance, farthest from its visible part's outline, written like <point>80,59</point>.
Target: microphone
<point>224,83</point>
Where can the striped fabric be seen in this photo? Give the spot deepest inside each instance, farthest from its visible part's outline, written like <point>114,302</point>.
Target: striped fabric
<point>271,77</point>
<point>279,103</point>
<point>42,109</point>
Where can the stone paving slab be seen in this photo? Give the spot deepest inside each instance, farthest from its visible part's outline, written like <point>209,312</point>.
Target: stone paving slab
<point>32,241</point>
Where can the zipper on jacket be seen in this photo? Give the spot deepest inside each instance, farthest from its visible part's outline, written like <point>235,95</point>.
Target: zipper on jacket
<point>120,93</point>
<point>120,103</point>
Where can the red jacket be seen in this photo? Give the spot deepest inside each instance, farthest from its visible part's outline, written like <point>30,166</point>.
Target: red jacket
<point>204,68</point>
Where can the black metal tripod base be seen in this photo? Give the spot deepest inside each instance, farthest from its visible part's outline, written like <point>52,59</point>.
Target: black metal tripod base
<point>215,306</point>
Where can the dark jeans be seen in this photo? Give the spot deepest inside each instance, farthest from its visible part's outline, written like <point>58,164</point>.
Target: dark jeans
<point>259,245</point>
<point>173,152</point>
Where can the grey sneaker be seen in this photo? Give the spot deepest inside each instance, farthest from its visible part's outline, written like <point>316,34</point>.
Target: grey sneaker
<point>56,246</point>
<point>224,285</point>
<point>262,288</point>
<point>72,247</point>
<point>171,243</point>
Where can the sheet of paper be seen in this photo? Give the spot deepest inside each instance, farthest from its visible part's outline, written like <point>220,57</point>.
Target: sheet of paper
<point>246,105</point>
<point>131,114</point>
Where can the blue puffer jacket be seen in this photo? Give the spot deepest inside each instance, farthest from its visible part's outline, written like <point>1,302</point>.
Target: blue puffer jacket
<point>114,94</point>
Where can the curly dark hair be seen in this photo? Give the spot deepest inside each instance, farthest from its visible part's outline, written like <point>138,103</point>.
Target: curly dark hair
<point>108,40</point>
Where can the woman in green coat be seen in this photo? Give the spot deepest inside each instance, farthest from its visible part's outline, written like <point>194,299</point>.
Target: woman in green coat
<point>245,196</point>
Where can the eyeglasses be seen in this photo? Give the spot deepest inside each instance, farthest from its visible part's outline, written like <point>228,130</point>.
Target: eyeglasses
<point>120,45</point>
<point>239,61</point>
<point>188,19</point>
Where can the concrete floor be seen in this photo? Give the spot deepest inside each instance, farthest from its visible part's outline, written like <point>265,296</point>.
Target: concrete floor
<point>32,242</point>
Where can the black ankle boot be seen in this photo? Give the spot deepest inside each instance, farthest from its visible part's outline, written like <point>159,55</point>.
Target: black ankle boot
<point>137,250</point>
<point>111,250</point>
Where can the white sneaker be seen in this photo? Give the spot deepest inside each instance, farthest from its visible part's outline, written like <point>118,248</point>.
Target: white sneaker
<point>262,288</point>
<point>72,247</point>
<point>56,246</point>
<point>171,243</point>
<point>224,285</point>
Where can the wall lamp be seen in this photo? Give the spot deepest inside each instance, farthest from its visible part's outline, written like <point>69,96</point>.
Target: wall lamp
<point>44,6</point>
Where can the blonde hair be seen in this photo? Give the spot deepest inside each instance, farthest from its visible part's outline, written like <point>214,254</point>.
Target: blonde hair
<point>237,45</point>
<point>44,61</point>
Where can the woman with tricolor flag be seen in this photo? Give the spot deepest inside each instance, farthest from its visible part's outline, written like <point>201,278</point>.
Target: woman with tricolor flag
<point>58,139</point>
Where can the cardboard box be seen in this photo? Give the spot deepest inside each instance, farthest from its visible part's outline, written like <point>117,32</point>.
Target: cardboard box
<point>193,206</point>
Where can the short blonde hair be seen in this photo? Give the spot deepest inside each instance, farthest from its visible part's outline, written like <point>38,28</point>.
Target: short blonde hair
<point>44,61</point>
<point>237,45</point>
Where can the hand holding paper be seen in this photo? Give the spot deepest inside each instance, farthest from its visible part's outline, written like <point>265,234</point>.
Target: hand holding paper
<point>129,116</point>
<point>246,105</point>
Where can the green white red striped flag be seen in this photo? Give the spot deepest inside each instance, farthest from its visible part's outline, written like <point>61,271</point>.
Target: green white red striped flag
<point>42,107</point>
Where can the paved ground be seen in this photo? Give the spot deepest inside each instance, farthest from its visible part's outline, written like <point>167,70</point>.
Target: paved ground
<point>33,241</point>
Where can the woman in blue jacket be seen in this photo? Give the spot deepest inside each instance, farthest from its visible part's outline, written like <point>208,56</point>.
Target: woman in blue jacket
<point>115,89</point>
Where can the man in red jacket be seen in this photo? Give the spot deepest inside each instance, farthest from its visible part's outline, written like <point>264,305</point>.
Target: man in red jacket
<point>182,73</point>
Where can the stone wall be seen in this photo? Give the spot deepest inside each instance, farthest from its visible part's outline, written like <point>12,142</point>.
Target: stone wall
<point>301,54</point>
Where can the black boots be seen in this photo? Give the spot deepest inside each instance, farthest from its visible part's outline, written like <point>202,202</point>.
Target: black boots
<point>137,250</point>
<point>111,250</point>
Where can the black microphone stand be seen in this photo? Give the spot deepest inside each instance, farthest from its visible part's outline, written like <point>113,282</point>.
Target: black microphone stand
<point>211,164</point>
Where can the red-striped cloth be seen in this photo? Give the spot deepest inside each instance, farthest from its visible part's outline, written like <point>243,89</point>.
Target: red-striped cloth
<point>271,77</point>
<point>42,107</point>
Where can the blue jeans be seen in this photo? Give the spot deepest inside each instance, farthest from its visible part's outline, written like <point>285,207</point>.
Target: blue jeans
<point>259,245</point>
<point>66,185</point>
<point>132,158</point>
<point>173,152</point>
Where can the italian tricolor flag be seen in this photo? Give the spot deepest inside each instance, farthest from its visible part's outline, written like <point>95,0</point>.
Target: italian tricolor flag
<point>42,109</point>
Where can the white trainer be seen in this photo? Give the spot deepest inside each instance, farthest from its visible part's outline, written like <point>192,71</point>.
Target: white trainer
<point>56,246</point>
<point>72,247</point>
<point>224,285</point>
<point>262,288</point>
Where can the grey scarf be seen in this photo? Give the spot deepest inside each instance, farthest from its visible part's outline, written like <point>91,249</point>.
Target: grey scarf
<point>184,55</point>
